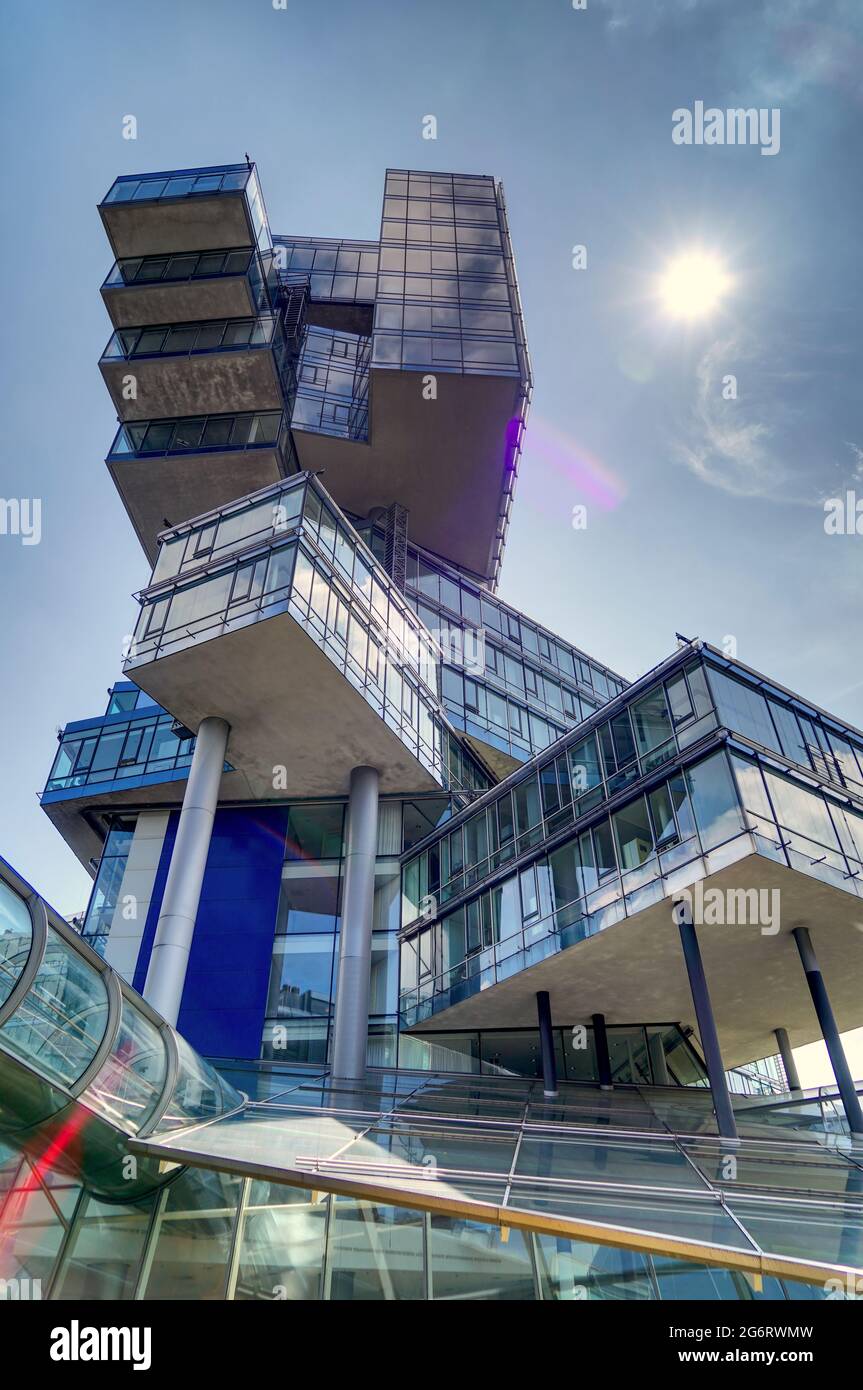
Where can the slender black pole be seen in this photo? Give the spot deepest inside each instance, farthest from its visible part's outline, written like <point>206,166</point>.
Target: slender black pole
<point>546,1044</point>
<point>706,1026</point>
<point>829,1031</point>
<point>788,1063</point>
<point>603,1056</point>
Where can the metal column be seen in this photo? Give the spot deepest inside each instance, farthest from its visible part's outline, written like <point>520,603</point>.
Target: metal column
<point>170,955</point>
<point>829,1030</point>
<point>351,1018</point>
<point>788,1063</point>
<point>603,1056</point>
<point>546,1045</point>
<point>706,1026</point>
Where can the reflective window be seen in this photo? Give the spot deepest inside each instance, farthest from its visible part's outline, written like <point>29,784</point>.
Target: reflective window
<point>15,937</point>
<point>61,1021</point>
<point>130,1084</point>
<point>282,1244</point>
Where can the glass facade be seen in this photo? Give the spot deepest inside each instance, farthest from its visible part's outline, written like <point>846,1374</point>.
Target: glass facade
<point>516,1052</point>
<point>443,295</point>
<point>679,827</point>
<point>116,750</point>
<point>336,269</point>
<point>303,973</point>
<point>505,679</point>
<point>105,895</point>
<point>288,549</point>
<point>333,384</point>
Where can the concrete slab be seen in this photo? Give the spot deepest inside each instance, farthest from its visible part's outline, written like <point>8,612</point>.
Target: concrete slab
<point>196,223</point>
<point>442,459</point>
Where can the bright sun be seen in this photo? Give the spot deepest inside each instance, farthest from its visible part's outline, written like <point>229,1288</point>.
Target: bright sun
<point>693,284</point>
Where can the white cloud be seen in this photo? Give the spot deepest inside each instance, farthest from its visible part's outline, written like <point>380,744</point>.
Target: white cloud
<point>772,441</point>
<point>773,51</point>
<point>731,447</point>
<point>857,453</point>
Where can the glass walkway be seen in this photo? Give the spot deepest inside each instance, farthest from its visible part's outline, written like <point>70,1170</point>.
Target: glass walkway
<point>131,1168</point>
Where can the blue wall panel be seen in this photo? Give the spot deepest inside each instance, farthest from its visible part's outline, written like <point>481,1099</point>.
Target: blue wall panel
<point>224,1001</point>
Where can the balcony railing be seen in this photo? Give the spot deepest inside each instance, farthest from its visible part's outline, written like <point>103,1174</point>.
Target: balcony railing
<point>204,434</point>
<point>180,184</point>
<point>140,272</point>
<point>572,890</point>
<point>183,339</point>
<point>623,748</point>
<point>115,750</point>
<point>288,549</point>
<point>277,517</point>
<point>188,340</point>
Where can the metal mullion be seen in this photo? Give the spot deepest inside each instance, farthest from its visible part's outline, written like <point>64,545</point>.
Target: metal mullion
<point>516,1152</point>
<point>428,1278</point>
<point>739,1224</point>
<point>533,1254</point>
<point>232,1267</point>
<point>69,1235</point>
<point>702,1177</point>
<point>150,1242</point>
<point>326,1283</point>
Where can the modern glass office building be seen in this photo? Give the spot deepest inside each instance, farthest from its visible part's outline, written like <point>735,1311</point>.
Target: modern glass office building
<point>426,957</point>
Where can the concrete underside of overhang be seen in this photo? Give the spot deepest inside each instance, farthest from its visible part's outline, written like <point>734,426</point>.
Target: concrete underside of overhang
<point>288,706</point>
<point>73,816</point>
<point>633,971</point>
<point>195,223</point>
<point>134,306</point>
<point>209,383</point>
<point>443,460</point>
<point>182,486</point>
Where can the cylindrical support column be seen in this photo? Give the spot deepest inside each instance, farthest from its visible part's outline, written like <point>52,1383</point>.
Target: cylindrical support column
<point>546,1044</point>
<point>789,1065</point>
<point>173,942</point>
<point>706,1027</point>
<point>351,1018</point>
<point>829,1030</point>
<point>603,1056</point>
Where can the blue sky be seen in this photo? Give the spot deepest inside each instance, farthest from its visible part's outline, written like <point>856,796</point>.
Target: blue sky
<point>704,516</point>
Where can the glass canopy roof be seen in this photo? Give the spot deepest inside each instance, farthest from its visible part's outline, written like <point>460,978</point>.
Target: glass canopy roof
<point>637,1168</point>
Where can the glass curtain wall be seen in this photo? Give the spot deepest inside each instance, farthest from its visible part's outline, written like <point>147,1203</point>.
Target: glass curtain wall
<point>304,968</point>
